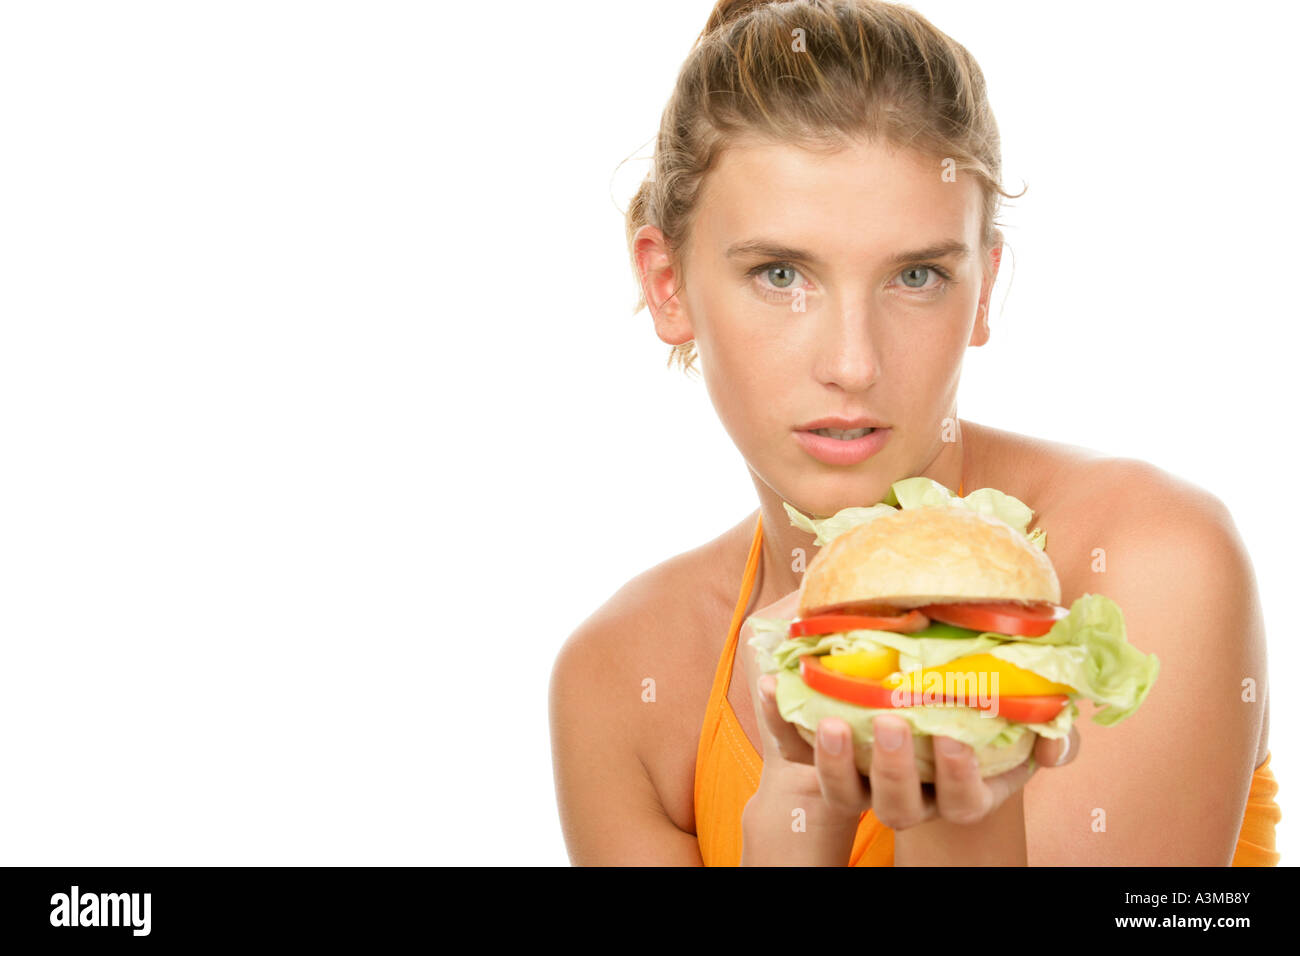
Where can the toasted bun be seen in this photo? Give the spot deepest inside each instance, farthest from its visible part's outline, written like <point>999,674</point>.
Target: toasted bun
<point>992,760</point>
<point>928,556</point>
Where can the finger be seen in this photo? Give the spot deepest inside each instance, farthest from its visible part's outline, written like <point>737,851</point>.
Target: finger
<point>780,739</point>
<point>1049,752</point>
<point>837,769</point>
<point>1005,784</point>
<point>896,797</point>
<point>768,735</point>
<point>961,792</point>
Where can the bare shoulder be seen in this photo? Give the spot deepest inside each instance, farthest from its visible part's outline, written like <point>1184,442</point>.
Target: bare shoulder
<point>1100,510</point>
<point>1143,499</point>
<point>1160,525</point>
<point>643,664</point>
<point>650,626</point>
<point>1078,491</point>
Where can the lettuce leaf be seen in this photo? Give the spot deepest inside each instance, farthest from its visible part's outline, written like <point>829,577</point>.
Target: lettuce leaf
<point>922,492</point>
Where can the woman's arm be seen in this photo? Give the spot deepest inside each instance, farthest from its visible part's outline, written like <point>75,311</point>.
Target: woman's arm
<point>1167,786</point>
<point>610,812</point>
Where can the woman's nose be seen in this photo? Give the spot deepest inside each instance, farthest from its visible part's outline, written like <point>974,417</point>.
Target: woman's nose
<point>847,354</point>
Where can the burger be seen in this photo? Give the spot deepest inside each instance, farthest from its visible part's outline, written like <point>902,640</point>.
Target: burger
<point>945,612</point>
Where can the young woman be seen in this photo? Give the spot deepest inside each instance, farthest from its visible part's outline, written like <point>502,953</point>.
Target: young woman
<point>820,228</point>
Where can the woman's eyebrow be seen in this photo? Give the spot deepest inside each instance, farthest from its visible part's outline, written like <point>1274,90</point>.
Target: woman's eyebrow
<point>775,250</point>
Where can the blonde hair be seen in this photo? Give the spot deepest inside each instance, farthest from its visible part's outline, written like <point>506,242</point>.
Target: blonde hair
<point>819,73</point>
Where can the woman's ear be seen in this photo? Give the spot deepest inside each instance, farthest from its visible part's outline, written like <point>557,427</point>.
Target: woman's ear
<point>980,333</point>
<point>659,285</point>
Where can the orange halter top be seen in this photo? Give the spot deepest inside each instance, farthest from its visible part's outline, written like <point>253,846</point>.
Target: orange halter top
<point>727,769</point>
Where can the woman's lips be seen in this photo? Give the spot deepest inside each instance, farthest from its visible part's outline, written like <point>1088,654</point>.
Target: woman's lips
<point>833,451</point>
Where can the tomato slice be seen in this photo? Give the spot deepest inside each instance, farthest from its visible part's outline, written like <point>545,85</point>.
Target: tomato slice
<point>866,692</point>
<point>1001,617</point>
<point>863,691</point>
<point>1032,710</point>
<point>907,623</point>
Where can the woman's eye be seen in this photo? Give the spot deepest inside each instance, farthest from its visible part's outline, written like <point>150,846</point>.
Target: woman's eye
<point>780,278</point>
<point>914,277</point>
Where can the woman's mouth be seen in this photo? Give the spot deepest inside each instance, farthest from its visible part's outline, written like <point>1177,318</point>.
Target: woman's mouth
<point>842,435</point>
<point>833,446</point>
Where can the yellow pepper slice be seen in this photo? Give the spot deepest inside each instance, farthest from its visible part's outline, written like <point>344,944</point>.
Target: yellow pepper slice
<point>873,664</point>
<point>1013,681</point>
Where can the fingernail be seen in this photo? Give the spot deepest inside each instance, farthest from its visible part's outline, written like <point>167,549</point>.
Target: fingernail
<point>1064,751</point>
<point>763,691</point>
<point>889,735</point>
<point>831,740</point>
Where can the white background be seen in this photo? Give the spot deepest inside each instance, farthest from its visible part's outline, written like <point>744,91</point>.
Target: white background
<point>325,418</point>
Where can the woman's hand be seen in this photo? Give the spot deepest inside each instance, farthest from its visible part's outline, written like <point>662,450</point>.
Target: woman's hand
<point>825,784</point>
<point>959,794</point>
<point>808,805</point>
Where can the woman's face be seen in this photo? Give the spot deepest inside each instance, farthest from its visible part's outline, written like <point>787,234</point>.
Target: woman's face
<point>808,294</point>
